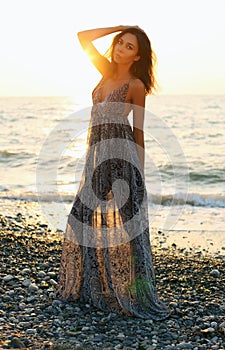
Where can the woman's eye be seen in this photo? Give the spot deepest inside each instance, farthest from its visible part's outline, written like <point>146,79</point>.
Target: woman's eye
<point>120,42</point>
<point>129,47</point>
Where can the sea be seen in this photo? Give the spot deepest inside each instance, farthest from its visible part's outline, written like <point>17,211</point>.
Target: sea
<point>42,155</point>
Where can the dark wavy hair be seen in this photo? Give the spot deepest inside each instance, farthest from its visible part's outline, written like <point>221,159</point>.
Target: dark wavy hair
<point>144,68</point>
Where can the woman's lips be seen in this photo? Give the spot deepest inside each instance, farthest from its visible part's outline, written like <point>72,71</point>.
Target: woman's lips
<point>117,55</point>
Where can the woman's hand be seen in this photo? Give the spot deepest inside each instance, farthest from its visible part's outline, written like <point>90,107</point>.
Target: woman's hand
<point>128,27</point>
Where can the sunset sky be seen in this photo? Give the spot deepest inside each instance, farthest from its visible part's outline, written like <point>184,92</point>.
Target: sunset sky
<point>41,56</point>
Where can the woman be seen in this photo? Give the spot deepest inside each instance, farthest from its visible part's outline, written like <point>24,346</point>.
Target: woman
<point>106,256</point>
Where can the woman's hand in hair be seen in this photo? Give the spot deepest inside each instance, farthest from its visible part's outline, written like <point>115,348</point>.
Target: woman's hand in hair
<point>128,27</point>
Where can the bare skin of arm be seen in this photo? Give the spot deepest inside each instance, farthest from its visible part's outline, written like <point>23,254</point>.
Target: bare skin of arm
<point>87,36</point>
<point>138,101</point>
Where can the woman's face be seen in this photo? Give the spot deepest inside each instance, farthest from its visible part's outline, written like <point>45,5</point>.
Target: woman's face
<point>126,49</point>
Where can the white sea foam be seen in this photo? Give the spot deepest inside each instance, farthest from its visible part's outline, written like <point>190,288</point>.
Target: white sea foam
<point>173,199</point>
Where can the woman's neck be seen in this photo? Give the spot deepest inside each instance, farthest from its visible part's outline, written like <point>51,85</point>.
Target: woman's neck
<point>121,73</point>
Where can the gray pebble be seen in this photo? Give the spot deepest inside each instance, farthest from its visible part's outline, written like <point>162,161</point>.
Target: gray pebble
<point>7,278</point>
<point>26,282</point>
<point>53,282</point>
<point>222,308</point>
<point>33,287</point>
<point>120,336</point>
<point>31,299</point>
<point>222,325</point>
<point>185,346</point>
<point>31,331</point>
<point>214,324</point>
<point>51,274</point>
<point>41,274</point>
<point>215,273</point>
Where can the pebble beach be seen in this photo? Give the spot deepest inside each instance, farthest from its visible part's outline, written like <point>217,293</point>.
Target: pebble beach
<point>191,282</point>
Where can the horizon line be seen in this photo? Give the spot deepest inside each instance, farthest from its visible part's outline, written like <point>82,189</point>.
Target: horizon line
<point>152,95</point>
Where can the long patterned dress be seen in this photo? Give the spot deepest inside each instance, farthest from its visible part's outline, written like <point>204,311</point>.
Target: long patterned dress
<point>106,255</point>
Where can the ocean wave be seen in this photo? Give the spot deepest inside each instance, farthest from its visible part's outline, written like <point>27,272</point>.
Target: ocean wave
<point>213,106</point>
<point>6,154</point>
<point>212,177</point>
<point>192,199</point>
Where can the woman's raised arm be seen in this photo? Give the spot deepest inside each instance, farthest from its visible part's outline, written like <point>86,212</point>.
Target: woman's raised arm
<point>86,38</point>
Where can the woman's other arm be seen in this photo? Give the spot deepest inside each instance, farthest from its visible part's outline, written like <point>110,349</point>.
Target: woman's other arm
<point>138,101</point>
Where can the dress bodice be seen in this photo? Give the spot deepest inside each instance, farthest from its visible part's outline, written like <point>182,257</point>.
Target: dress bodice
<point>113,106</point>
<point>116,95</point>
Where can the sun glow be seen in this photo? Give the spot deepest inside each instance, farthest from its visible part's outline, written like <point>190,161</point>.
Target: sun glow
<point>41,55</point>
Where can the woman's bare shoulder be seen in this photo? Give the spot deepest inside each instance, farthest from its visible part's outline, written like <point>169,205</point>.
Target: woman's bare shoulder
<point>137,86</point>
<point>137,83</point>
